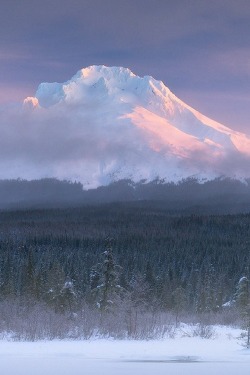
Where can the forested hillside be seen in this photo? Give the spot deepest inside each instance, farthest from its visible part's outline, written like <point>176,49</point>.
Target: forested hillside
<point>218,196</point>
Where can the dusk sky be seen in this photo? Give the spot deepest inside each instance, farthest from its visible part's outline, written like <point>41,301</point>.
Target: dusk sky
<point>199,48</point>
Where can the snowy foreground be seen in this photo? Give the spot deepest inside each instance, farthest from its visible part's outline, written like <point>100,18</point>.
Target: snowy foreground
<point>224,354</point>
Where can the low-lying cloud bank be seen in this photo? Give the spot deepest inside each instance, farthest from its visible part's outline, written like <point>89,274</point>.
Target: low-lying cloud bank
<point>56,142</point>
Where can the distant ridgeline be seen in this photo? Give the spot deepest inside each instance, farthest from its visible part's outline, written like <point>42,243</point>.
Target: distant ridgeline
<point>221,195</point>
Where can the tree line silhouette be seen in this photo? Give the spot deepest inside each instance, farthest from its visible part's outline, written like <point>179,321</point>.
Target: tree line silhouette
<point>221,195</point>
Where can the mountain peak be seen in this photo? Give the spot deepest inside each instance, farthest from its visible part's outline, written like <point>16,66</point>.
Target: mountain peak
<point>113,79</point>
<point>126,126</point>
<point>105,71</point>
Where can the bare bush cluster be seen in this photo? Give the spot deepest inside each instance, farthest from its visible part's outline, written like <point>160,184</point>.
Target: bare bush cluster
<point>30,321</point>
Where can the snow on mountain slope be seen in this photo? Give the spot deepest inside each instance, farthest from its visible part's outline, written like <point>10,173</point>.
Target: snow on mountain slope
<point>108,123</point>
<point>126,90</point>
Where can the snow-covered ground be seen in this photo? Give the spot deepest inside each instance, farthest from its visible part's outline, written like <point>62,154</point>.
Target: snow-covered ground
<point>224,354</point>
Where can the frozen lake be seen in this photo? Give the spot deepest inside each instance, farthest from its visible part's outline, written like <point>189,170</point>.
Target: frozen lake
<point>76,366</point>
<point>222,355</point>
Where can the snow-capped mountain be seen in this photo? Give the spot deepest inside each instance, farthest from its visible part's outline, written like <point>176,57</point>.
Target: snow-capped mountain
<point>107,123</point>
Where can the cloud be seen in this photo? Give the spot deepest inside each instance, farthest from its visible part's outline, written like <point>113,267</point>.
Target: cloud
<point>62,142</point>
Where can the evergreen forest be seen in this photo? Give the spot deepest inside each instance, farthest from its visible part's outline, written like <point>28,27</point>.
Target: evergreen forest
<point>123,270</point>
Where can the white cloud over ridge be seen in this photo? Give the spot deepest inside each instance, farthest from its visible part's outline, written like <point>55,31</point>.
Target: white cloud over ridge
<point>107,123</point>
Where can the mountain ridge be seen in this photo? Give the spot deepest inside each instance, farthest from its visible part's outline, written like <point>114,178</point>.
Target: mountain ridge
<point>142,129</point>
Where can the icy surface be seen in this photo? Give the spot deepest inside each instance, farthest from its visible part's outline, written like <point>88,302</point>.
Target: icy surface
<point>222,355</point>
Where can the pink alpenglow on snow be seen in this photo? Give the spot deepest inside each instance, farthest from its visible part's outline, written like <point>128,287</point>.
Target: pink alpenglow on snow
<point>106,123</point>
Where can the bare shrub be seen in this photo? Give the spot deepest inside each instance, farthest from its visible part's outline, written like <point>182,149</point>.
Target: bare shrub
<point>199,330</point>
<point>27,320</point>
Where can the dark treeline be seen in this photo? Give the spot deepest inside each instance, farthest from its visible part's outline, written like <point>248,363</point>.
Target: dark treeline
<point>222,195</point>
<point>57,261</point>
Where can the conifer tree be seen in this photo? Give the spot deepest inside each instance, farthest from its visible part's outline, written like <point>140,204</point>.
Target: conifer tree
<point>108,289</point>
<point>55,282</point>
<point>242,300</point>
<point>179,302</point>
<point>29,281</point>
<point>68,295</point>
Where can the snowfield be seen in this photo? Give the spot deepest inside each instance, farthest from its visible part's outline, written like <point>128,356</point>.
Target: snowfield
<point>224,354</point>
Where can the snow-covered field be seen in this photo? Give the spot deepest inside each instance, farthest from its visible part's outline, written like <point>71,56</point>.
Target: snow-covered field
<point>223,354</point>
